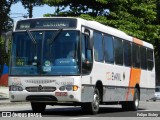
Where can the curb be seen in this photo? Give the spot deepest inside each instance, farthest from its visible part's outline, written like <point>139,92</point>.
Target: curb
<point>6,102</point>
<point>3,96</point>
<point>4,93</point>
<point>13,103</point>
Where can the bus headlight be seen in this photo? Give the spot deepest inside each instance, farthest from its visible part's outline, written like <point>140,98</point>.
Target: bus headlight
<point>69,88</point>
<point>15,88</point>
<point>62,88</point>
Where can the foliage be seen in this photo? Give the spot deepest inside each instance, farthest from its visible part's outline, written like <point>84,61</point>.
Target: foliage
<point>4,58</point>
<point>135,17</point>
<point>5,21</point>
<point>30,4</point>
<point>77,7</point>
<point>6,24</point>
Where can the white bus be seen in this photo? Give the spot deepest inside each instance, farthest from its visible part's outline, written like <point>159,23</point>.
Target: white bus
<point>72,61</point>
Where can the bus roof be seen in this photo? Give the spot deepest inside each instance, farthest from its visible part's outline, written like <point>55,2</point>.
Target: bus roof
<point>102,28</point>
<point>113,31</point>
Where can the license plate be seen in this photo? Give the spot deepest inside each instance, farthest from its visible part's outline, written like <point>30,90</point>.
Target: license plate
<point>61,94</point>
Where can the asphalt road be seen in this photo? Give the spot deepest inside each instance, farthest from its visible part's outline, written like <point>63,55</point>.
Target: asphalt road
<point>146,109</point>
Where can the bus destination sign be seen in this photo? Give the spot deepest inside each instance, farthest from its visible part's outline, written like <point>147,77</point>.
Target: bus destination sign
<point>44,23</point>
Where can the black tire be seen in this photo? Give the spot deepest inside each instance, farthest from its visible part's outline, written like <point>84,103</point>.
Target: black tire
<point>125,106</point>
<point>135,103</point>
<point>132,105</point>
<point>38,107</point>
<point>92,107</point>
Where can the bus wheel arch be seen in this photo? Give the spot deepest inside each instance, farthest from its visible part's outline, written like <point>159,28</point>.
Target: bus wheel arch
<point>99,86</point>
<point>93,107</point>
<point>138,89</point>
<point>134,104</point>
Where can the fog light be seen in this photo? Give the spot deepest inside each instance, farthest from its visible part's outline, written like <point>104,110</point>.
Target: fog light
<point>71,96</point>
<point>75,88</point>
<point>62,88</point>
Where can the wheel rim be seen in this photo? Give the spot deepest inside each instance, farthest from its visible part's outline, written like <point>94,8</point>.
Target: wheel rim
<point>136,101</point>
<point>96,101</point>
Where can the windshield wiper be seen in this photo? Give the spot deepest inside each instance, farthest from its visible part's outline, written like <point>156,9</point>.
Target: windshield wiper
<point>55,35</point>
<point>34,42</point>
<point>31,36</point>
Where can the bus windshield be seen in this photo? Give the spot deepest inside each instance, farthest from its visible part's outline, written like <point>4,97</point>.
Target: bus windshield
<point>47,52</point>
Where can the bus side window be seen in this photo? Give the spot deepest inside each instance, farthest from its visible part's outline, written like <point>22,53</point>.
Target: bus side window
<point>150,62</point>
<point>118,51</point>
<point>143,58</point>
<point>127,53</point>
<point>135,56</point>
<point>98,47</point>
<point>86,55</point>
<point>108,49</point>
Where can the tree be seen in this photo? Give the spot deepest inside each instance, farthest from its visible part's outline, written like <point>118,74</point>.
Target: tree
<point>77,7</point>
<point>6,24</point>
<point>135,17</point>
<point>157,43</point>
<point>30,4</point>
<point>5,6</point>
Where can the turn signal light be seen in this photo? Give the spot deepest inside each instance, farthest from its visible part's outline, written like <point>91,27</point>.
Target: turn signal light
<point>75,88</point>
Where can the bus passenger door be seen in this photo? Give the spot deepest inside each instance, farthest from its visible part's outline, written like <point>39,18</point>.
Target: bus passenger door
<point>86,66</point>
<point>86,52</point>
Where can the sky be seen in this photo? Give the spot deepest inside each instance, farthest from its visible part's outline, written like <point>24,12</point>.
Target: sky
<point>18,11</point>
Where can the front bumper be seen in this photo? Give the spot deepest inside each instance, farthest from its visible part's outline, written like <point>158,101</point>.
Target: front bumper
<point>22,96</point>
<point>50,88</point>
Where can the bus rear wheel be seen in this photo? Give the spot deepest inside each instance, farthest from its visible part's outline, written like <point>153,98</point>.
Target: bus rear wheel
<point>38,107</point>
<point>92,107</point>
<point>132,105</point>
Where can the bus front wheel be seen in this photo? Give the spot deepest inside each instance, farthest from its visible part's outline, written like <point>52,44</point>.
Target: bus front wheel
<point>38,107</point>
<point>92,107</point>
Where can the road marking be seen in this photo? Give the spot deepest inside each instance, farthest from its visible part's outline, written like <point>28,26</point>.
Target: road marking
<point>80,118</point>
<point>146,110</point>
<point>143,110</point>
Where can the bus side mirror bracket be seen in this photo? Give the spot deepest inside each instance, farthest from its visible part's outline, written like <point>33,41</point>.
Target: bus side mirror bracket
<point>8,36</point>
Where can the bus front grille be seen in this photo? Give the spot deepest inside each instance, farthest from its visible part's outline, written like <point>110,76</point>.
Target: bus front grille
<point>41,98</point>
<point>40,89</point>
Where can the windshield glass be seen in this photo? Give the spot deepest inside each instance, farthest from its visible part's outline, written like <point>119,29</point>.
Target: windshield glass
<point>45,53</point>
